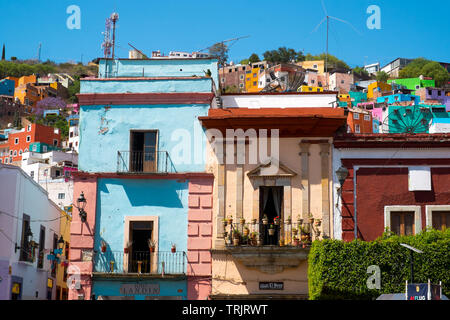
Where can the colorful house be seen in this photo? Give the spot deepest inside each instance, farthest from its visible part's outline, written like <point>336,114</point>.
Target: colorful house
<point>414,83</point>
<point>359,121</point>
<point>318,65</point>
<point>391,99</point>
<point>357,97</point>
<point>434,96</point>
<point>62,290</point>
<point>412,119</point>
<point>399,182</point>
<point>268,208</point>
<point>148,227</point>
<point>20,141</point>
<point>309,89</point>
<point>7,87</point>
<point>376,89</point>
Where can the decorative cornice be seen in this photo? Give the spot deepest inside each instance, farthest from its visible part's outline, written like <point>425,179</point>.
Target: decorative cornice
<point>86,99</point>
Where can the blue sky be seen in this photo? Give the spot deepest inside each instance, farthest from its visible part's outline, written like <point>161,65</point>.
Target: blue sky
<point>408,28</point>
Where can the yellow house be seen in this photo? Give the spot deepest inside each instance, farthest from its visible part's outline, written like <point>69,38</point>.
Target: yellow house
<point>252,79</point>
<point>318,65</point>
<point>377,87</point>
<point>309,89</point>
<point>267,211</point>
<point>61,271</point>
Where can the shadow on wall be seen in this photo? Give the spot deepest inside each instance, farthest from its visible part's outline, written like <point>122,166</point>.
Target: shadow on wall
<point>156,193</point>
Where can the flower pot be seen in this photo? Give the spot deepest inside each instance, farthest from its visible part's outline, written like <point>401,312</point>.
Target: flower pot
<point>236,241</point>
<point>125,250</point>
<point>242,221</point>
<point>225,223</point>
<point>254,221</point>
<point>246,232</point>
<point>258,242</point>
<point>289,221</point>
<point>271,232</point>
<point>173,249</point>
<point>103,249</point>
<point>296,242</point>
<point>265,221</point>
<point>317,222</point>
<point>152,249</point>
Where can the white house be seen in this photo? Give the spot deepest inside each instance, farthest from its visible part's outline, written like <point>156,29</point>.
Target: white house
<point>29,230</point>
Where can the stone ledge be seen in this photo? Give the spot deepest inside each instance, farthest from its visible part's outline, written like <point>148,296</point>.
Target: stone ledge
<point>268,259</point>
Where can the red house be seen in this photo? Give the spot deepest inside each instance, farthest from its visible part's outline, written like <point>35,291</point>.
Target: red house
<point>395,181</point>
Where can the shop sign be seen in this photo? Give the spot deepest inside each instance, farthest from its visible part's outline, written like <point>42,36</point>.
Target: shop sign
<point>271,286</point>
<point>139,289</point>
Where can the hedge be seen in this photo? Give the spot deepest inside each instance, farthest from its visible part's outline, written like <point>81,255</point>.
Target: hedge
<point>338,269</point>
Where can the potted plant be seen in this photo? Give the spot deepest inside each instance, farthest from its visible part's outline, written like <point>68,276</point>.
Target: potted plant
<point>236,237</point>
<point>242,221</point>
<point>296,241</point>
<point>271,230</point>
<point>311,219</point>
<point>265,220</point>
<point>103,246</point>
<point>151,245</point>
<point>289,220</point>
<point>294,231</point>
<point>225,222</point>
<point>254,221</point>
<point>276,220</point>
<point>299,222</point>
<point>126,249</point>
<point>246,231</point>
<point>230,220</point>
<point>281,241</point>
<point>174,248</point>
<point>253,238</point>
<point>317,222</point>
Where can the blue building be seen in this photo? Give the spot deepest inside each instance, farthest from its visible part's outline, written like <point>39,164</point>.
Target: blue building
<point>7,87</point>
<point>141,164</point>
<point>399,98</point>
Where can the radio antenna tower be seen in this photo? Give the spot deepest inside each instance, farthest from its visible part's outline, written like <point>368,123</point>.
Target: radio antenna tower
<point>107,43</point>
<point>114,19</point>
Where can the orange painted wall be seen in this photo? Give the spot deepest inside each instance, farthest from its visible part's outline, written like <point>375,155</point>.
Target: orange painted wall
<point>365,126</point>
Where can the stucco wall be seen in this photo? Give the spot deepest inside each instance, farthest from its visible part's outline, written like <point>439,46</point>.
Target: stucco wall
<point>106,130</point>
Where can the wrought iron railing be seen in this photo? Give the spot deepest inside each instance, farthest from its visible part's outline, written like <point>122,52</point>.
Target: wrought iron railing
<point>140,262</point>
<point>273,233</point>
<point>144,162</point>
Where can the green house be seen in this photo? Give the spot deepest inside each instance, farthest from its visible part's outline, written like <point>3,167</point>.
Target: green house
<point>414,83</point>
<point>413,119</point>
<point>41,147</point>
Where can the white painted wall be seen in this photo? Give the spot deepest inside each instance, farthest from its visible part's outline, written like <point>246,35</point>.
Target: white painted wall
<point>20,194</point>
<point>301,100</point>
<point>440,128</point>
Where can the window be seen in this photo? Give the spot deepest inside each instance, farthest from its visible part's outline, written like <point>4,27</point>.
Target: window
<point>143,155</point>
<point>16,141</point>
<point>402,223</point>
<point>26,150</point>
<point>254,83</point>
<point>61,196</point>
<point>55,142</point>
<point>32,174</point>
<point>270,204</point>
<point>241,85</point>
<point>29,128</point>
<point>25,250</point>
<point>342,81</point>
<point>312,81</point>
<point>438,216</point>
<point>430,92</point>
<point>315,66</point>
<point>417,87</point>
<point>366,117</point>
<point>357,128</point>
<point>41,248</point>
<point>44,148</point>
<point>6,160</point>
<point>254,75</point>
<point>15,153</point>
<point>356,116</point>
<point>241,77</point>
<point>20,152</point>
<point>283,79</point>
<point>28,138</point>
<point>223,80</point>
<point>403,220</point>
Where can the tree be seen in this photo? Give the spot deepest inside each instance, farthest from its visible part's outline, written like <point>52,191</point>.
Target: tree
<point>427,68</point>
<point>382,76</point>
<point>254,58</point>
<point>73,89</point>
<point>245,61</point>
<point>333,62</point>
<point>220,51</point>
<point>283,55</point>
<point>360,70</point>
<point>3,52</point>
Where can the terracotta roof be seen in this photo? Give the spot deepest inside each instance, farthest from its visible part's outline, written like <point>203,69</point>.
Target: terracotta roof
<point>227,113</point>
<point>277,93</point>
<point>391,140</point>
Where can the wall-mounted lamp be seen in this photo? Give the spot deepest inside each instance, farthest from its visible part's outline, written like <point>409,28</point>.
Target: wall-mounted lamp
<point>81,204</point>
<point>28,236</point>
<point>61,242</point>
<point>342,174</point>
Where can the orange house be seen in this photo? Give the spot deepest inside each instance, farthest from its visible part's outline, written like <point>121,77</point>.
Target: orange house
<point>359,121</point>
<point>19,142</point>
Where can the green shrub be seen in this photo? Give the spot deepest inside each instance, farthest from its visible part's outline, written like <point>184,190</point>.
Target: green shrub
<point>338,269</point>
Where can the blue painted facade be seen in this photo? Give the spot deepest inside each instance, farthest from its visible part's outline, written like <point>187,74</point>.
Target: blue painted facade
<point>357,97</point>
<point>399,98</point>
<point>7,87</point>
<point>105,130</point>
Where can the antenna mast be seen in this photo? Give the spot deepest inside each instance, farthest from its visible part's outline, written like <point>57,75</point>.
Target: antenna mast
<point>107,44</point>
<point>114,19</point>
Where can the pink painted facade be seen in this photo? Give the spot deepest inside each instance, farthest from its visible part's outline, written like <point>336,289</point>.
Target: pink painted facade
<point>200,229</point>
<point>82,238</point>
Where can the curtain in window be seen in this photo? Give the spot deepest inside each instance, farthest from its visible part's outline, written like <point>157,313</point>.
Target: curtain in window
<point>276,194</point>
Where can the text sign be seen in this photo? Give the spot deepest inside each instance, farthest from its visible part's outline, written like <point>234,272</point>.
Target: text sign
<point>417,291</point>
<point>139,289</point>
<point>271,285</point>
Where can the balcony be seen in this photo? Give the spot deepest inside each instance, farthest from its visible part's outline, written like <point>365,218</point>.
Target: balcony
<point>139,263</point>
<point>269,247</point>
<point>139,162</point>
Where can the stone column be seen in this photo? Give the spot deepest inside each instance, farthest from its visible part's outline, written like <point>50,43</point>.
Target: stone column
<point>220,211</point>
<point>325,156</point>
<point>304,154</point>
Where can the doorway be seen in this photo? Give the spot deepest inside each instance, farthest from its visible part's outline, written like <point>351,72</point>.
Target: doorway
<point>143,154</point>
<point>270,206</point>
<point>139,256</point>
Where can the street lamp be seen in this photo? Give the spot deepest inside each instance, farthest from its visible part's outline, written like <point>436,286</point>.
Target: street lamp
<point>61,242</point>
<point>412,249</point>
<point>342,174</point>
<point>81,201</point>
